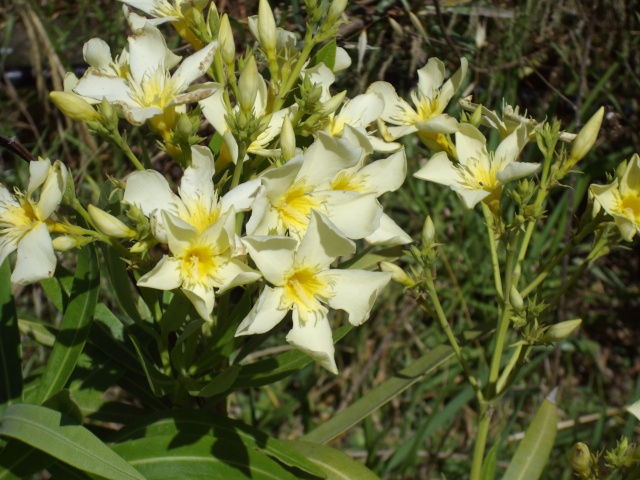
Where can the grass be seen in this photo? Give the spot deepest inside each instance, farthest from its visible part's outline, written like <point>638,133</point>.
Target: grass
<point>559,59</point>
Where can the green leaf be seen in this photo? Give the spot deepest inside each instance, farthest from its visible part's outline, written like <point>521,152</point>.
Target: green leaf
<point>326,55</point>
<point>265,372</point>
<point>120,282</point>
<point>220,383</point>
<point>75,325</point>
<point>19,460</point>
<point>45,335</point>
<point>489,464</point>
<point>534,449</point>
<point>160,383</point>
<point>337,465</point>
<point>59,436</point>
<point>10,358</point>
<point>195,444</point>
<point>186,426</point>
<point>380,395</point>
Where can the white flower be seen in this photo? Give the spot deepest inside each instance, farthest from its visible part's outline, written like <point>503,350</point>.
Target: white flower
<point>24,222</point>
<point>479,175</point>
<point>149,91</point>
<point>303,184</point>
<point>430,100</point>
<point>303,283</point>
<point>621,199</point>
<point>359,113</point>
<point>378,177</point>
<point>198,204</point>
<point>200,262</point>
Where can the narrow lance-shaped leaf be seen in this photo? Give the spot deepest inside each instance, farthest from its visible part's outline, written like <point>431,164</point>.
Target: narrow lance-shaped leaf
<point>336,464</point>
<point>61,437</point>
<point>75,325</point>
<point>534,449</point>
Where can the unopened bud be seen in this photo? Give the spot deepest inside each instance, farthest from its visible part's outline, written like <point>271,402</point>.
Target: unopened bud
<point>335,11</point>
<point>248,86</point>
<point>109,114</point>
<point>476,116</point>
<point>397,274</point>
<point>267,29</point>
<point>184,127</point>
<point>428,232</point>
<point>64,243</point>
<point>561,330</point>
<point>287,139</point>
<point>75,107</point>
<point>226,43</point>
<point>108,224</point>
<point>580,459</point>
<point>516,299</point>
<point>586,138</point>
<point>333,103</point>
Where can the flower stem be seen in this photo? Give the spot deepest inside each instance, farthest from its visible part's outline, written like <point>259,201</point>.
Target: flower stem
<point>481,440</point>
<point>489,220</point>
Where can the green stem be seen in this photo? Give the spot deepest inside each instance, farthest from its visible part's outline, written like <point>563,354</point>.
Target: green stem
<point>588,229</point>
<point>490,222</point>
<point>309,43</point>
<point>503,324</point>
<point>444,324</point>
<point>120,143</point>
<point>481,440</point>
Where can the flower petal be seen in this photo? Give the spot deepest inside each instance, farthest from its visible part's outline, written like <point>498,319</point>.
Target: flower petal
<point>241,197</point>
<point>470,198</point>
<point>315,339</point>
<point>439,169</point>
<point>355,291</point>
<point>203,299</point>
<point>215,110</point>
<point>442,123</point>
<point>511,146</point>
<point>355,215</point>
<point>147,51</point>
<point>38,173</point>
<point>387,174</point>
<point>430,77</point>
<point>470,143</point>
<point>52,190</point>
<point>36,260</point>
<point>234,274</point>
<point>193,67</point>
<point>96,52</point>
<point>265,314</point>
<point>388,233</point>
<point>516,170</point>
<point>164,276</point>
<point>99,86</point>
<point>326,157</point>
<point>322,243</point>
<point>149,190</point>
<point>273,255</point>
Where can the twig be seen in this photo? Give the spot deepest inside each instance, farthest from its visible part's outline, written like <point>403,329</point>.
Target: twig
<point>12,144</point>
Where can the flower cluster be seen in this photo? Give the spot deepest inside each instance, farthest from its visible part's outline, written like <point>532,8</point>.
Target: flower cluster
<point>290,180</point>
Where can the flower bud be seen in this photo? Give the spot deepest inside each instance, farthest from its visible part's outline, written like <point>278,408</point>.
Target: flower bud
<point>516,299</point>
<point>287,139</point>
<point>586,138</point>
<point>108,224</point>
<point>397,274</point>
<point>580,459</point>
<point>64,243</point>
<point>267,29</point>
<point>335,11</point>
<point>476,116</point>
<point>226,43</point>
<point>333,103</point>
<point>561,330</point>
<point>109,114</point>
<point>248,86</point>
<point>428,232</point>
<point>75,107</point>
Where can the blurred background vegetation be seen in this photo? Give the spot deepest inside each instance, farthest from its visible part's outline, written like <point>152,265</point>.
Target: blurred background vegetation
<point>555,59</point>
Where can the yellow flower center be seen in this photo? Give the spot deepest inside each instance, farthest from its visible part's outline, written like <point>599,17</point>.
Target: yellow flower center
<point>295,205</point>
<point>630,207</point>
<point>155,90</point>
<point>305,290</point>
<point>428,107</point>
<point>199,264</point>
<point>480,173</point>
<point>200,215</point>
